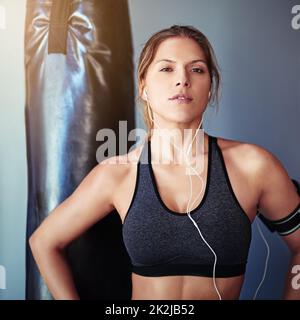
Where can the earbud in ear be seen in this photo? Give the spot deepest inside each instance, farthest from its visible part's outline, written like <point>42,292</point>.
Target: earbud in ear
<point>145,93</point>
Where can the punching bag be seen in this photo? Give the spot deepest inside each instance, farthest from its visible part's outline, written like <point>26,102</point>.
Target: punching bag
<point>79,79</point>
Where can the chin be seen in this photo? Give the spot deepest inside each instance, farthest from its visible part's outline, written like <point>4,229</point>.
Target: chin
<point>184,120</point>
<point>185,116</point>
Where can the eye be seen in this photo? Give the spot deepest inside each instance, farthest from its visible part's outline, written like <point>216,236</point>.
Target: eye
<point>165,69</point>
<point>198,70</point>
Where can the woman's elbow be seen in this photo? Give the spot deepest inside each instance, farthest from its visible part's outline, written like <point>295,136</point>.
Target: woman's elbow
<point>40,243</point>
<point>35,242</point>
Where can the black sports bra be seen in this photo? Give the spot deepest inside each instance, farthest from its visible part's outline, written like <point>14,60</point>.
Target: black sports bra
<point>162,242</point>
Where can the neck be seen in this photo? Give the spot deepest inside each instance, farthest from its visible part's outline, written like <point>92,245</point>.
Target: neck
<point>180,146</point>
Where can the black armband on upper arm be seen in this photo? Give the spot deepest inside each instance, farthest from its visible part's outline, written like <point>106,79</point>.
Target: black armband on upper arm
<point>288,224</point>
<point>284,226</point>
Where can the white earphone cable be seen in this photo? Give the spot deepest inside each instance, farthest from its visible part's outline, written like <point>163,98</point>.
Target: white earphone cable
<point>191,192</point>
<point>267,259</point>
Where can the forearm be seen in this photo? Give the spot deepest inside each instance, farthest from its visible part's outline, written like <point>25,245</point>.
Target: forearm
<point>55,272</point>
<point>292,285</point>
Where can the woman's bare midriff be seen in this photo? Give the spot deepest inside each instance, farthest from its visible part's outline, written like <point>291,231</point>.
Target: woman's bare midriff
<point>190,287</point>
<point>184,288</point>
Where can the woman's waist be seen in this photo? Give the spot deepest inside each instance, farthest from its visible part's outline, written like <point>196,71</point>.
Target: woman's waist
<point>185,287</point>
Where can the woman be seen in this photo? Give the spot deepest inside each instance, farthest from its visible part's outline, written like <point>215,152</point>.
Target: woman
<point>184,243</point>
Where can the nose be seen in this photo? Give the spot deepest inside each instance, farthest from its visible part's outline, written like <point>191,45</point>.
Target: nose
<point>183,80</point>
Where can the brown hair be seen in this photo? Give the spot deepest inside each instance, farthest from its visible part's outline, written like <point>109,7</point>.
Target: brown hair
<point>149,51</point>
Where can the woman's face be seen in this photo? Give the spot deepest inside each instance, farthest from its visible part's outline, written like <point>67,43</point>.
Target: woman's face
<point>184,72</point>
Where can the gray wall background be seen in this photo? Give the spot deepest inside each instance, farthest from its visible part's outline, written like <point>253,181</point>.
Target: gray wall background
<point>259,55</point>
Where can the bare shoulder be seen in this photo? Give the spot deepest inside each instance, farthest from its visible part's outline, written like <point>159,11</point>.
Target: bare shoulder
<point>121,171</point>
<point>119,167</point>
<point>247,154</point>
<point>258,163</point>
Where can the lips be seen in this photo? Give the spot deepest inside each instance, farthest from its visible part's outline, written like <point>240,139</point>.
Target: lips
<point>181,97</point>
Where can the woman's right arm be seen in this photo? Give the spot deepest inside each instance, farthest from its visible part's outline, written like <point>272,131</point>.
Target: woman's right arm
<point>90,202</point>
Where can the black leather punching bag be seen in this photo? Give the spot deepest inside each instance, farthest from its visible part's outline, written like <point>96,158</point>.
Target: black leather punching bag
<point>79,79</point>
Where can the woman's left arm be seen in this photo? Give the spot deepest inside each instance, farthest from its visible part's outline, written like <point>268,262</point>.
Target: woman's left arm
<point>279,199</point>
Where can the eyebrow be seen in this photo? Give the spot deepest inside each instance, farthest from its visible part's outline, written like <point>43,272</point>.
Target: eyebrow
<point>172,61</point>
